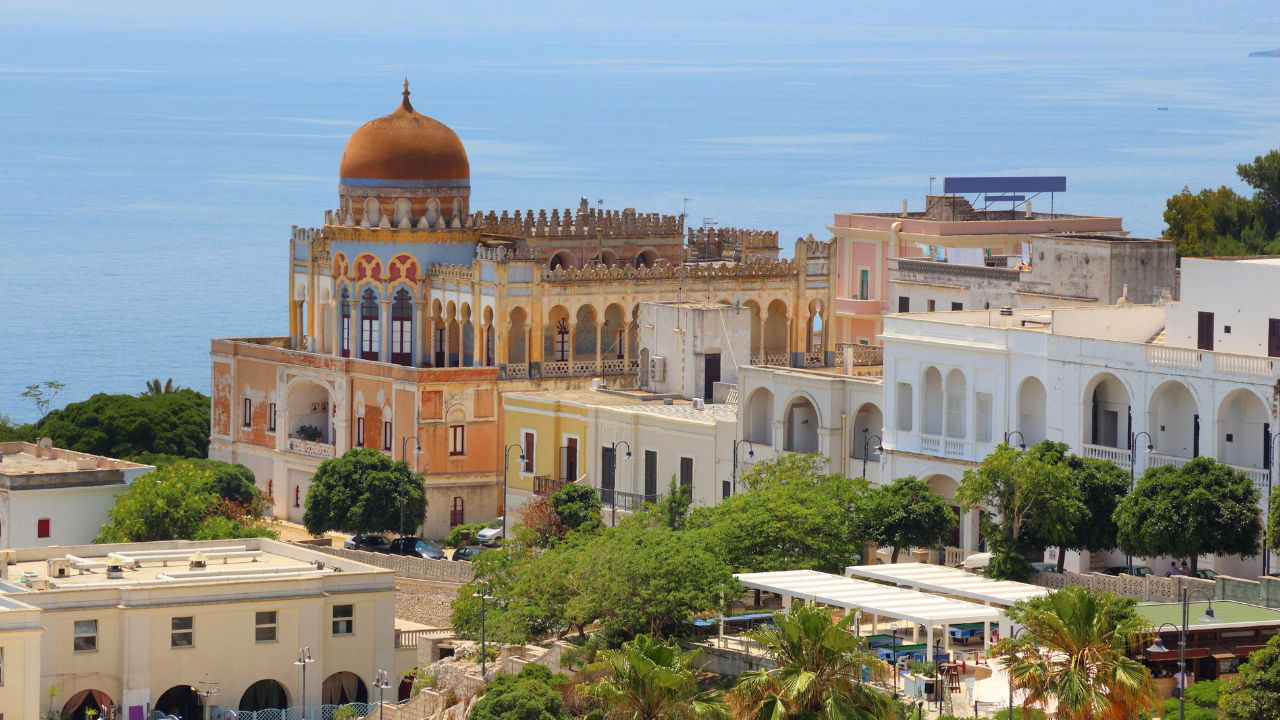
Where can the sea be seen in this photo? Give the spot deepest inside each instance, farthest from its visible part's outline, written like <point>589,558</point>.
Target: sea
<point>153,156</point>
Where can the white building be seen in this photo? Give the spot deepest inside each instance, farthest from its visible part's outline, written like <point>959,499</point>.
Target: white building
<point>50,496</point>
<point>1195,377</point>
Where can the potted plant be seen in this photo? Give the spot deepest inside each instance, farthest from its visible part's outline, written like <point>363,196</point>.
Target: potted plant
<point>310,433</point>
<point>928,672</point>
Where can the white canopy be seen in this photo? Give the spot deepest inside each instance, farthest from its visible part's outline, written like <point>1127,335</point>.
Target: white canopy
<point>949,581</point>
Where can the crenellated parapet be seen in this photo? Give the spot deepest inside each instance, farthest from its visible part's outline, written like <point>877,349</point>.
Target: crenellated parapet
<point>585,222</point>
<point>763,268</point>
<point>814,248</point>
<point>707,243</point>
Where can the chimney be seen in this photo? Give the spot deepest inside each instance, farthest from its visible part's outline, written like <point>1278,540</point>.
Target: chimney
<point>904,207</point>
<point>1030,214</point>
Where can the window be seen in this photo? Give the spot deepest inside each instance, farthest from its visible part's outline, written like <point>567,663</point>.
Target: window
<point>456,513</point>
<point>1204,331</point>
<point>386,436</point>
<point>370,340</point>
<point>651,475</point>
<point>1273,337</point>
<point>686,473</point>
<point>42,528</point>
<point>608,474</point>
<point>85,636</point>
<point>271,417</point>
<point>247,420</point>
<point>529,440</point>
<point>982,408</point>
<point>457,439</point>
<point>932,305</point>
<point>904,406</point>
<point>344,335</point>
<point>402,329</point>
<point>297,496</point>
<point>904,304</point>
<point>344,619</point>
<point>562,339</point>
<point>360,432</point>
<point>864,284</point>
<point>271,486</point>
<point>264,626</point>
<point>957,306</point>
<point>181,634</point>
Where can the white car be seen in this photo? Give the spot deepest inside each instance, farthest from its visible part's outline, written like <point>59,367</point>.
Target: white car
<point>490,535</point>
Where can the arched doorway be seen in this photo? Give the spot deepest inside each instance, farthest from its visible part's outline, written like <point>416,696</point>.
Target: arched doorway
<point>309,408</point>
<point>646,258</point>
<point>1174,421</point>
<point>1108,421</point>
<point>80,704</point>
<point>1243,430</point>
<point>957,397</point>
<point>867,422</point>
<point>802,426</point>
<point>758,418</point>
<point>180,701</point>
<point>562,260</point>
<point>343,687</point>
<point>264,695</point>
<point>1032,405</point>
<point>932,411</point>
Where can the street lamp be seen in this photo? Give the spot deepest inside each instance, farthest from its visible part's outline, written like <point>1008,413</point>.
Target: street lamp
<point>483,597</point>
<point>506,462</point>
<point>1022,441</point>
<point>304,659</point>
<point>750,454</point>
<point>210,689</point>
<point>382,682</point>
<point>1158,644</point>
<point>417,450</point>
<point>893,630</point>
<point>866,449</point>
<point>1133,463</point>
<point>613,498</point>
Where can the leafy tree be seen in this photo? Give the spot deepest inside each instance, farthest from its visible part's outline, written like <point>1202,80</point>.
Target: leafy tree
<point>127,425</point>
<point>178,501</point>
<point>793,515</point>
<point>577,506</point>
<point>673,509</point>
<point>1263,175</point>
<point>1102,485</point>
<point>458,532</point>
<point>652,679</point>
<point>1202,701</point>
<point>155,387</point>
<point>908,513</point>
<point>818,672</point>
<point>1075,652</point>
<point>1222,222</point>
<point>1201,508</point>
<point>362,492</point>
<point>1254,694</point>
<point>531,694</point>
<point>1034,500</point>
<point>42,394</point>
<point>541,523</point>
<point>231,481</point>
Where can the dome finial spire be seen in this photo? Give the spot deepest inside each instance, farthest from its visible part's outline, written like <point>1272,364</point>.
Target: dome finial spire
<point>405,103</point>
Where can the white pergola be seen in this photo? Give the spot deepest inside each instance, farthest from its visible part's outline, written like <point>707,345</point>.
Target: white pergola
<point>949,581</point>
<point>874,599</point>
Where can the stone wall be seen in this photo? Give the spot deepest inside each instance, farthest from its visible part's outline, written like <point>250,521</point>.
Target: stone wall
<point>449,571</point>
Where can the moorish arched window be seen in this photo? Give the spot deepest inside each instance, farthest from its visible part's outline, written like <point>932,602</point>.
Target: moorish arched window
<point>402,329</point>
<point>344,329</point>
<point>370,341</point>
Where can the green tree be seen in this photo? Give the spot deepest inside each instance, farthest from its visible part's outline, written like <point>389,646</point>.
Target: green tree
<point>362,492</point>
<point>818,675</point>
<point>458,532</point>
<point>1222,222</point>
<point>674,508</point>
<point>1075,651</point>
<point>1254,694</point>
<point>793,515</point>
<point>1202,701</point>
<point>42,394</point>
<point>178,501</point>
<point>652,679</point>
<point>1263,175</point>
<point>531,694</point>
<point>908,513</point>
<point>156,387</point>
<point>127,425</point>
<point>577,506</point>
<point>1201,508</point>
<point>1102,485</point>
<point>1034,501</point>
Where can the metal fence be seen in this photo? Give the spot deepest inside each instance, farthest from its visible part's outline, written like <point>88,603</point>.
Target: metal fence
<point>315,712</point>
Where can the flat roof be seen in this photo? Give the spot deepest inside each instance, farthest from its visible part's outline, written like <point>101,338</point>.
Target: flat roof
<point>1228,614</point>
<point>949,581</point>
<point>632,401</point>
<point>874,598</point>
<point>24,458</point>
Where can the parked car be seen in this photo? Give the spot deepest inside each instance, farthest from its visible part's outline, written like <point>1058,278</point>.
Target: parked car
<point>1051,567</point>
<point>415,547</point>
<point>1136,570</point>
<point>467,552</point>
<point>370,542</point>
<point>490,535</point>
<point>1206,574</point>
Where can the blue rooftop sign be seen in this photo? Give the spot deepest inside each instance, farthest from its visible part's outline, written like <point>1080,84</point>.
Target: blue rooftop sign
<point>971,185</point>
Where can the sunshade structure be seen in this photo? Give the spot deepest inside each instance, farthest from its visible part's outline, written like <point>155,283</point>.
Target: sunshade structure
<point>949,581</point>
<point>874,599</point>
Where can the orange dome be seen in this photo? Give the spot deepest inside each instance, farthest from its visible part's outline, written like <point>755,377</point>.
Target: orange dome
<point>404,149</point>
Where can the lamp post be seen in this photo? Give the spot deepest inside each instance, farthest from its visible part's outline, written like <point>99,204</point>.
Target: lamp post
<point>382,682</point>
<point>750,454</point>
<point>483,646</point>
<point>1013,636</point>
<point>1269,461</point>
<point>866,449</point>
<point>1158,644</point>
<point>210,689</point>
<point>1133,463</point>
<point>1022,441</point>
<point>613,493</point>
<point>417,450</point>
<point>893,630</point>
<point>304,659</point>
<point>506,462</point>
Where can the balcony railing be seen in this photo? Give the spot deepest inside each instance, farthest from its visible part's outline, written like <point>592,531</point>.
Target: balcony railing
<point>1209,362</point>
<point>545,485</point>
<point>1259,476</point>
<point>952,447</point>
<point>310,448</point>
<point>931,444</point>
<point>619,500</point>
<point>1119,456</point>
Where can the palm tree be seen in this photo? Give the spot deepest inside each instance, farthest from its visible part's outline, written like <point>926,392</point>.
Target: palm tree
<point>818,674</point>
<point>650,679</point>
<point>1074,652</point>
<point>155,387</point>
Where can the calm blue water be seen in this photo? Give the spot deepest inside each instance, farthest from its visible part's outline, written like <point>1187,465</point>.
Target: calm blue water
<point>152,162</point>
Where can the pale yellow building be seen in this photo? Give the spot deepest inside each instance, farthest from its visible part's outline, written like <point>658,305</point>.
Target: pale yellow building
<point>191,627</point>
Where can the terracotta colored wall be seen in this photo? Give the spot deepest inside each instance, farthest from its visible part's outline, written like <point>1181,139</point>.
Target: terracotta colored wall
<point>256,381</point>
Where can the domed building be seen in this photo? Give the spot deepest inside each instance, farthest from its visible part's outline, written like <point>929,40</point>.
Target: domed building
<point>411,314</point>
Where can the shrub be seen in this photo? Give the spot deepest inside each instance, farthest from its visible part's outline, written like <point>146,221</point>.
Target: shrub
<point>456,535</point>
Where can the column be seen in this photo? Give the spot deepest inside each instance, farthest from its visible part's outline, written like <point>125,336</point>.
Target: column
<point>419,326</point>
<point>573,345</point>
<point>384,329</point>
<point>761,349</point>
<point>779,435</point>
<point>599,343</point>
<point>336,350</point>
<point>429,327</point>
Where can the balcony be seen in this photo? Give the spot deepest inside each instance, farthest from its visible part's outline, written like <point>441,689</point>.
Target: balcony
<point>298,446</point>
<point>545,485</point>
<point>1119,456</point>
<point>1212,363</point>
<point>1259,476</point>
<point>618,500</point>
<point>857,307</point>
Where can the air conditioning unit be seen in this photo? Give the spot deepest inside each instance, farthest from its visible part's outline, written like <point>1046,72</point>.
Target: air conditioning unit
<point>59,567</point>
<point>657,369</point>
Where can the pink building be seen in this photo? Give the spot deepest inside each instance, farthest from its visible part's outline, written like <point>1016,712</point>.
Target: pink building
<point>865,242</point>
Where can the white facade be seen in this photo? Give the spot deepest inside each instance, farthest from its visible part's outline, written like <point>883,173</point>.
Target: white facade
<point>687,347</point>
<point>1098,379</point>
